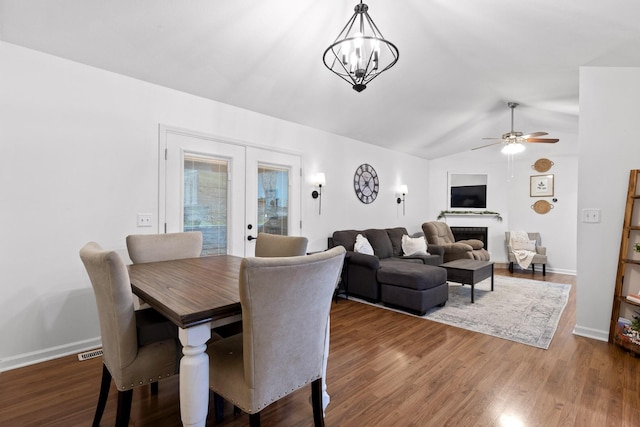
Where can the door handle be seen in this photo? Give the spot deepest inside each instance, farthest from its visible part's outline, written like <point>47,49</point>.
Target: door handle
<point>250,238</point>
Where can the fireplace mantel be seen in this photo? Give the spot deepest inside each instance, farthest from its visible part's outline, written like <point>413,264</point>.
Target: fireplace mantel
<point>470,213</point>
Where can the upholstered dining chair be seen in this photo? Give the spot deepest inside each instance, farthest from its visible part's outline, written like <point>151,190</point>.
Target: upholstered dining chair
<point>164,247</point>
<point>143,248</point>
<point>273,245</point>
<point>130,357</point>
<point>285,312</point>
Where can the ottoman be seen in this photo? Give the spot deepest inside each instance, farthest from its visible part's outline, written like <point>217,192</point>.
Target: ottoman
<point>413,287</point>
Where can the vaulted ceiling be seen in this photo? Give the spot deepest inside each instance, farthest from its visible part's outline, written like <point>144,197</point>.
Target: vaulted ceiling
<point>460,61</point>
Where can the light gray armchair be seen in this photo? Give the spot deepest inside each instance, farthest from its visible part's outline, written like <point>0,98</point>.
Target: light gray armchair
<point>273,245</point>
<point>130,358</point>
<point>540,256</point>
<point>285,312</point>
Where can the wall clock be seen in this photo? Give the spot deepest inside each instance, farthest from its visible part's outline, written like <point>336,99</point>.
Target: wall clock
<point>366,183</point>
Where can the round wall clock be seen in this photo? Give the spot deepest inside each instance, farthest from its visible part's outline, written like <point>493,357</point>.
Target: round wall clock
<point>366,183</point>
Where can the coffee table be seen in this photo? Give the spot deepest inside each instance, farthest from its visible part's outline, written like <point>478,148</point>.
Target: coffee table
<point>469,272</point>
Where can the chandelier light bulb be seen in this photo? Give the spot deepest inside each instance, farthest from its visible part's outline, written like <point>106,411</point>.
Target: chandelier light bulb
<point>357,40</point>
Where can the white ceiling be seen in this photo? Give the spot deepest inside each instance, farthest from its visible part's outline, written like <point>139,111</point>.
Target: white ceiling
<point>460,61</point>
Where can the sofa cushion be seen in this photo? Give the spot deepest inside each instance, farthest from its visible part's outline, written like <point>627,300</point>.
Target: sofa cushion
<point>362,245</point>
<point>410,275</point>
<point>395,235</point>
<point>346,238</point>
<point>432,259</point>
<point>381,242</point>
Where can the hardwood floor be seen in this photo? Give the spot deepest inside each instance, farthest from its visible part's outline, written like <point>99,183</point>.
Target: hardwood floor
<point>385,369</point>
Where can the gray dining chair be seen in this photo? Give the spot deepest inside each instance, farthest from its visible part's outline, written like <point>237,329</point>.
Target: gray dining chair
<point>267,246</point>
<point>273,245</point>
<point>164,247</point>
<point>285,312</point>
<point>143,248</point>
<point>131,357</point>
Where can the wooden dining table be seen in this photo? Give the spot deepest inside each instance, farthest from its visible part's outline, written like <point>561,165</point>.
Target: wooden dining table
<point>197,294</point>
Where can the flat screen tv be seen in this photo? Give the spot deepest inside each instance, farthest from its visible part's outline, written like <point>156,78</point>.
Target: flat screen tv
<point>469,196</point>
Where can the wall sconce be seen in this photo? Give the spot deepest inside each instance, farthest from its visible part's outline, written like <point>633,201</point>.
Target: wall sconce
<point>404,190</point>
<point>318,180</point>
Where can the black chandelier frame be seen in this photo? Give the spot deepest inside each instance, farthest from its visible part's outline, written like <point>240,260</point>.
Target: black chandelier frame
<point>368,66</point>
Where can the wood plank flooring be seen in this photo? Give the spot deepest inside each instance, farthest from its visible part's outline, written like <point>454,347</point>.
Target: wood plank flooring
<point>385,369</point>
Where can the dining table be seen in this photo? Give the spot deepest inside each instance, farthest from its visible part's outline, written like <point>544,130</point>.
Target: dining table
<point>196,294</point>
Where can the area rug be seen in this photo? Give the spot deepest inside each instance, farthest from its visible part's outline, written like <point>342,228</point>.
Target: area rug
<point>520,310</point>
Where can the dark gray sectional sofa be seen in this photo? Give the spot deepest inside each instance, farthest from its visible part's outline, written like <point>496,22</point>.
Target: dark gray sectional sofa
<point>414,283</point>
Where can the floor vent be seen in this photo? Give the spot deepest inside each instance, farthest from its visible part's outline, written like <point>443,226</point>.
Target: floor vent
<point>90,354</point>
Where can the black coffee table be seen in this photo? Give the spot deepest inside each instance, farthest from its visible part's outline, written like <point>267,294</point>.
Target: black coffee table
<point>469,272</point>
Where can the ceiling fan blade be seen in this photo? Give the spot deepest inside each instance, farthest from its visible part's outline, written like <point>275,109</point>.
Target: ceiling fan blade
<point>535,134</point>
<point>547,140</point>
<point>488,145</point>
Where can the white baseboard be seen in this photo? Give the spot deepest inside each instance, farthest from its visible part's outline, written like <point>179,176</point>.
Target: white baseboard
<point>561,271</point>
<point>595,334</point>
<point>516,267</point>
<point>32,358</point>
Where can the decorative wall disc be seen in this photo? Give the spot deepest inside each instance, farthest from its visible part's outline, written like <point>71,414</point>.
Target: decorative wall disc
<point>542,206</point>
<point>366,183</point>
<point>542,165</point>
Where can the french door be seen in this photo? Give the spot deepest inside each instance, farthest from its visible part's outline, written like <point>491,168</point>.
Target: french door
<point>228,191</point>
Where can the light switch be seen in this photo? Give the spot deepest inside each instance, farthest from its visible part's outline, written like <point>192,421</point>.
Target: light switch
<point>590,215</point>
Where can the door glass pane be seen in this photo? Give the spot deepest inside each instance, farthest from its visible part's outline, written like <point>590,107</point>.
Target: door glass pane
<point>273,200</point>
<point>206,201</point>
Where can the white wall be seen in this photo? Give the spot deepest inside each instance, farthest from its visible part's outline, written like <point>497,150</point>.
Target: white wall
<point>609,148</point>
<point>510,197</point>
<point>78,161</point>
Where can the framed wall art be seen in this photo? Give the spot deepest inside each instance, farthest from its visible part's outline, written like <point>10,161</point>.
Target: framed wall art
<point>541,186</point>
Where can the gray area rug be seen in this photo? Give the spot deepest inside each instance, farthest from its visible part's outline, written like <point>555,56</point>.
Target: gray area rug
<point>520,310</point>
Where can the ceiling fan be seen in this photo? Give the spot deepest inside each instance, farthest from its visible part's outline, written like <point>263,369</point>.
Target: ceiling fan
<point>513,140</point>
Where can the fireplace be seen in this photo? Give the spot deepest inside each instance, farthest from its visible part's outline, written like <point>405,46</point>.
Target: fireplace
<point>464,233</point>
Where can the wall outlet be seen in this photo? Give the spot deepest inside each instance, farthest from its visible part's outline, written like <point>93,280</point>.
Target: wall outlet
<point>144,220</point>
<point>590,215</point>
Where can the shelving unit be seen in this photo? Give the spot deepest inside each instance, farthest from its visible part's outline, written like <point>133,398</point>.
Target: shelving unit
<point>628,268</point>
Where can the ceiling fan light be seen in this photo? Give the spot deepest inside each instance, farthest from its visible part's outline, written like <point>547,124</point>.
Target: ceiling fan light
<point>513,148</point>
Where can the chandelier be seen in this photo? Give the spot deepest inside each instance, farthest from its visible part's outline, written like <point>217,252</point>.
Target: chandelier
<point>360,53</point>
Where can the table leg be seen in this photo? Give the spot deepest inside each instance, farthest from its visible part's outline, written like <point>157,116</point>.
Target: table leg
<point>472,292</point>
<point>194,375</point>
<point>491,277</point>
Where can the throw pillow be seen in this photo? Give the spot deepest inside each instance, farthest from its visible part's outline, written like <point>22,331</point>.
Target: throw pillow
<point>524,246</point>
<point>414,245</point>
<point>362,245</point>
